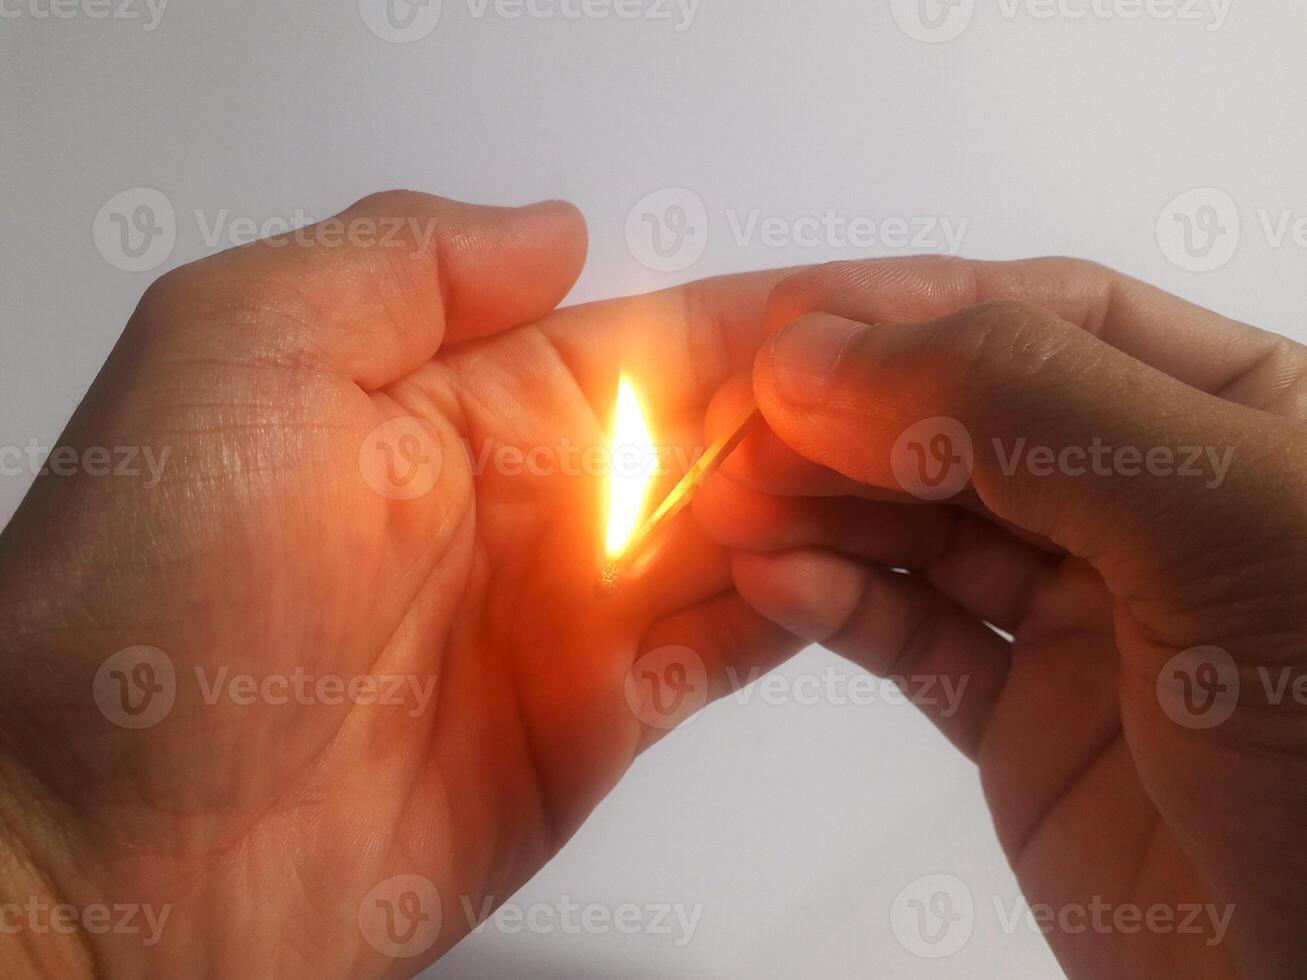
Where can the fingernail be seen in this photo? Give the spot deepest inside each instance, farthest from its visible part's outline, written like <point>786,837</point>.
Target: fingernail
<point>807,352</point>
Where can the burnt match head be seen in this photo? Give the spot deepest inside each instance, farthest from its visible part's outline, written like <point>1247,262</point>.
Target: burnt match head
<point>610,581</point>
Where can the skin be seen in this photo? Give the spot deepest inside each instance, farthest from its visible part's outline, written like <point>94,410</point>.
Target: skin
<point>265,826</point>
<point>1101,789</point>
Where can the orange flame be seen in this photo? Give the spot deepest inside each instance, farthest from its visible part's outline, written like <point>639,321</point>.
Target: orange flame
<point>630,469</point>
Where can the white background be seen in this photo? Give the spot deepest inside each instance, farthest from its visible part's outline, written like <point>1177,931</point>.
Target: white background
<point>794,826</point>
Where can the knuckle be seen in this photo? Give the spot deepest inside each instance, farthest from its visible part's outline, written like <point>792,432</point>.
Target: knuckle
<point>395,201</point>
<point>1074,268</point>
<point>796,295</point>
<point>163,298</point>
<point>1007,338</point>
<point>1277,381</point>
<point>222,310</point>
<point>866,285</point>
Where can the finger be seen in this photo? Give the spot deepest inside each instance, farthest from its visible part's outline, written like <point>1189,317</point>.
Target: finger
<point>375,291</point>
<point>764,463</point>
<point>980,566</point>
<point>1014,376</point>
<point>678,345</point>
<point>891,624</point>
<point>1210,352</point>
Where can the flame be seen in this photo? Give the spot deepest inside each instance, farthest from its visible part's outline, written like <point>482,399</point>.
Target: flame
<point>628,484</point>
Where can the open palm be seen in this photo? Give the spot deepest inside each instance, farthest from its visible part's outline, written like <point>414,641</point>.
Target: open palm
<point>342,675</point>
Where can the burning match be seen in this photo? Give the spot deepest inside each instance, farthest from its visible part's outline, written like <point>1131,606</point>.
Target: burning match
<point>629,538</point>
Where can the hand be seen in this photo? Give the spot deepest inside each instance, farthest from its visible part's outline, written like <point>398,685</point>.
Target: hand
<point>342,503</point>
<point>1115,772</point>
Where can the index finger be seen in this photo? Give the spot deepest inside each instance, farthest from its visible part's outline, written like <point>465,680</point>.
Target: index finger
<point>679,345</point>
<point>1205,350</point>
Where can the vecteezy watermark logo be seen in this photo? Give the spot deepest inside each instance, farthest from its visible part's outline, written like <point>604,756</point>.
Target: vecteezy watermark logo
<point>1203,229</point>
<point>1199,688</point>
<point>941,693</point>
<point>1199,231</point>
<point>300,687</point>
<point>136,687</point>
<point>833,230</point>
<point>673,920</point>
<point>567,458</point>
<point>933,459</point>
<point>39,918</point>
<point>680,13</point>
<point>136,231</point>
<point>936,21</point>
<point>401,917</point>
<point>401,21</point>
<point>1211,15</point>
<point>933,21</point>
<point>933,916</point>
<point>401,459</point>
<point>222,230</point>
<point>1100,917</point>
<point>148,11</point>
<point>97,462</point>
<point>667,686</point>
<point>667,231</point>
<point>1210,464</point>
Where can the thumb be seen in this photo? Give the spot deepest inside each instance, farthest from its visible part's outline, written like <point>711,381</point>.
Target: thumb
<point>373,292</point>
<point>1054,431</point>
